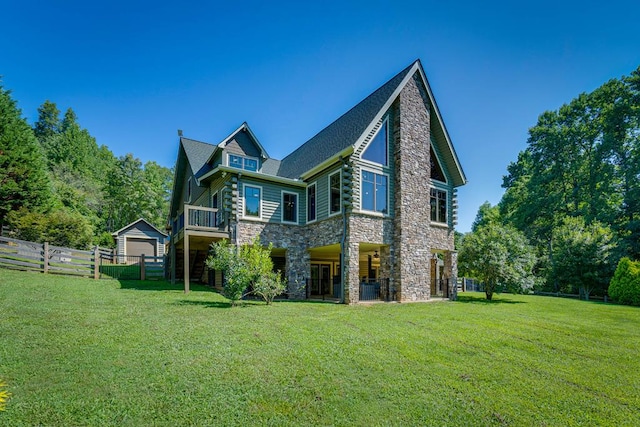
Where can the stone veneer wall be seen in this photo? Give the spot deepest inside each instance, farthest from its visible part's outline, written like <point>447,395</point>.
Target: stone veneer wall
<point>412,200</point>
<point>296,240</point>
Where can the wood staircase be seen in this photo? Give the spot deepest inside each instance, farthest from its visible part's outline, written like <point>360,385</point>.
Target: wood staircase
<point>197,267</point>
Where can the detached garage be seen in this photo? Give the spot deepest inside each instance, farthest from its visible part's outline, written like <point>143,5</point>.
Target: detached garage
<point>139,238</point>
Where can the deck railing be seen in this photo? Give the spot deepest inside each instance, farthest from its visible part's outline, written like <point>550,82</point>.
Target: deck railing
<point>199,218</point>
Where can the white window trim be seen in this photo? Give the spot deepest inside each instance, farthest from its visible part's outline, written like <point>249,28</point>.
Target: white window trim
<point>446,192</point>
<point>372,163</point>
<point>282,220</point>
<point>260,208</point>
<point>313,184</point>
<point>329,213</point>
<point>243,157</point>
<point>374,212</point>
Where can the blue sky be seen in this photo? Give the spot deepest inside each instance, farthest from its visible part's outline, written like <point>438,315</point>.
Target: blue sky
<point>135,72</point>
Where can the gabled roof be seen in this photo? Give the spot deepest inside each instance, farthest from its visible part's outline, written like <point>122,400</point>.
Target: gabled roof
<point>115,233</point>
<point>244,127</point>
<point>352,127</point>
<point>342,133</point>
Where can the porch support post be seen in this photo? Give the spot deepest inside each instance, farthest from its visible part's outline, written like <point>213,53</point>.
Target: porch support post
<point>451,273</point>
<point>352,273</point>
<point>172,254</point>
<point>186,262</point>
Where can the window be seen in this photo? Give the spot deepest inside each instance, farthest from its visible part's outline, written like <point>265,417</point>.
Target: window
<point>189,190</point>
<point>377,150</point>
<point>289,207</point>
<point>252,201</point>
<point>374,192</point>
<point>334,193</point>
<point>241,162</point>
<point>436,170</point>
<point>438,205</point>
<point>311,202</point>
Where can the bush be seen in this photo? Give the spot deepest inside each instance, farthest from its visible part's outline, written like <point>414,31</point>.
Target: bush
<point>625,284</point>
<point>59,228</point>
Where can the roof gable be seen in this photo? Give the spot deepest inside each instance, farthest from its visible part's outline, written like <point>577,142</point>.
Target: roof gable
<point>342,133</point>
<point>136,222</point>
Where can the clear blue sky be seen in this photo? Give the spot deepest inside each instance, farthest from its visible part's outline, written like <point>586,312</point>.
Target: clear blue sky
<point>135,72</point>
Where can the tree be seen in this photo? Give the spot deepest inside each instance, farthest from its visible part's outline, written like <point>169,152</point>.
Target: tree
<point>247,269</point>
<point>60,227</point>
<point>486,215</point>
<point>582,256</point>
<point>23,178</point>
<point>497,255</point>
<point>625,284</point>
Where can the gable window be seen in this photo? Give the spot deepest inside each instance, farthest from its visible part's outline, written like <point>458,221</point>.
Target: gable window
<point>378,148</point>
<point>374,192</point>
<point>438,206</point>
<point>289,207</point>
<point>334,193</point>
<point>252,196</point>
<point>311,202</point>
<point>242,162</point>
<point>436,169</point>
<point>189,190</point>
<point>214,204</point>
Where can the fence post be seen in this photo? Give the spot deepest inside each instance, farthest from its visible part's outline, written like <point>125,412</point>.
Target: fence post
<point>96,265</point>
<point>45,256</point>
<point>142,268</point>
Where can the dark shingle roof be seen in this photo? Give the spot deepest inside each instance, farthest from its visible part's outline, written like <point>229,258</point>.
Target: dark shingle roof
<point>340,134</point>
<point>198,153</point>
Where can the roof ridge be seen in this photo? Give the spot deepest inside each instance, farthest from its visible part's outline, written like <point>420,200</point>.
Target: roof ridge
<point>345,124</point>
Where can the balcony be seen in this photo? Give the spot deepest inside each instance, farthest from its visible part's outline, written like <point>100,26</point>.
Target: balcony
<point>201,221</point>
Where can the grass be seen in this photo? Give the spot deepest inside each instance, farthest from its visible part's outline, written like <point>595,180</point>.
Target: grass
<point>76,351</point>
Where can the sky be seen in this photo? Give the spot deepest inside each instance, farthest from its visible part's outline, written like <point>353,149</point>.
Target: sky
<point>137,71</point>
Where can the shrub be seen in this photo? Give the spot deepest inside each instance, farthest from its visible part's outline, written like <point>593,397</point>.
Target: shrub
<point>625,284</point>
<point>4,395</point>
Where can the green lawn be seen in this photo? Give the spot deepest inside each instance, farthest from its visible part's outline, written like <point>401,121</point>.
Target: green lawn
<point>82,352</point>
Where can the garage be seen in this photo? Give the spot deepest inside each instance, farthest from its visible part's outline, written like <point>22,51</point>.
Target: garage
<point>137,247</point>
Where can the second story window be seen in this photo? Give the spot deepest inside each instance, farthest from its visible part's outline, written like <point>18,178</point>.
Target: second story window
<point>289,207</point>
<point>242,162</point>
<point>311,202</point>
<point>334,193</point>
<point>438,206</point>
<point>374,192</point>
<point>252,201</point>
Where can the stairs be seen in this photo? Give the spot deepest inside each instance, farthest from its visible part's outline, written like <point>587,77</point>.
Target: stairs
<point>197,267</point>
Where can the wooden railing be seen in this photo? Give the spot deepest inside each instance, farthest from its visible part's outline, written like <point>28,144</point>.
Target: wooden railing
<point>199,218</point>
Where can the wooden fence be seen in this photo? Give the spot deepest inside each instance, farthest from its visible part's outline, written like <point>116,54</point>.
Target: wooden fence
<point>97,263</point>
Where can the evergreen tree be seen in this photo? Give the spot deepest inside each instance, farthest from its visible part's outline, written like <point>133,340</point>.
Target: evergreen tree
<point>23,178</point>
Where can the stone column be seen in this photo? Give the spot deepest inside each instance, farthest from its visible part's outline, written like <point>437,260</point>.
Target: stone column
<point>298,270</point>
<point>412,198</point>
<point>352,272</point>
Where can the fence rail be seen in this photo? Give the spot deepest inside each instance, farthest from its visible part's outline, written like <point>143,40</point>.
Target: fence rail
<point>98,263</point>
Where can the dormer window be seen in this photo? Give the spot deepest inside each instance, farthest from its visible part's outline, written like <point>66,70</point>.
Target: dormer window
<point>242,162</point>
<point>378,149</point>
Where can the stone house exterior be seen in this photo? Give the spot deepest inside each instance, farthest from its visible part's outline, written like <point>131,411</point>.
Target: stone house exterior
<point>363,210</point>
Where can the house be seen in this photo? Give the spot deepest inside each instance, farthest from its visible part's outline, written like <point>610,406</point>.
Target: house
<point>373,192</point>
<point>139,238</point>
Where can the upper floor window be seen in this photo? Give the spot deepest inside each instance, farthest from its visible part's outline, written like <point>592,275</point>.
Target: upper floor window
<point>311,202</point>
<point>242,162</point>
<point>378,149</point>
<point>436,169</point>
<point>334,193</point>
<point>438,205</point>
<point>374,192</point>
<point>252,196</point>
<point>289,207</point>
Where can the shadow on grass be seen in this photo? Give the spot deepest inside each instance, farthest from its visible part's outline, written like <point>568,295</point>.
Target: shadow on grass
<point>160,285</point>
<point>207,304</point>
<point>477,299</point>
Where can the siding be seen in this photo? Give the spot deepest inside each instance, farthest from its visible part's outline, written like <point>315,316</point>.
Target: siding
<point>322,193</point>
<point>271,200</point>
<point>140,230</point>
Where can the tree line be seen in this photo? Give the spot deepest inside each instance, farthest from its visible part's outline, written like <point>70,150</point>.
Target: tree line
<point>571,206</point>
<point>58,185</point>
